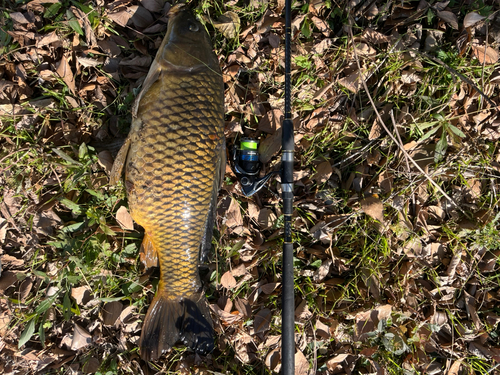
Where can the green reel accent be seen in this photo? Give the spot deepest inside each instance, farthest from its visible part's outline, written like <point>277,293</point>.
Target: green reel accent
<point>248,144</point>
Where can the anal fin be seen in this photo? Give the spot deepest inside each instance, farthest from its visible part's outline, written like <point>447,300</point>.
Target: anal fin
<point>148,254</point>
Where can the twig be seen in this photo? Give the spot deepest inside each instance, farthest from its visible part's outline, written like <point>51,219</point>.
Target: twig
<point>390,134</point>
<point>400,145</point>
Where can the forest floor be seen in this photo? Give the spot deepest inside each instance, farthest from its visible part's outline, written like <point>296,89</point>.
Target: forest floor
<point>397,183</point>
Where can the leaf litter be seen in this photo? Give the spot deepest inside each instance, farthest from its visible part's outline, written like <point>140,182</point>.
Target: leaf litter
<point>390,277</point>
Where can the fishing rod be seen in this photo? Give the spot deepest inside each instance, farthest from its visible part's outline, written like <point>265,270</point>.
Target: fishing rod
<point>288,320</point>
<point>247,166</point>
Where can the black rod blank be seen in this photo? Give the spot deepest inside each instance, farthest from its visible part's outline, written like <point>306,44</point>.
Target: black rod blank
<point>288,320</point>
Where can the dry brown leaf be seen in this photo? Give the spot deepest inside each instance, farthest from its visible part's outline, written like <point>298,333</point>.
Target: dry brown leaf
<point>91,366</point>
<point>47,39</point>
<point>449,17</point>
<point>141,17</point>
<point>323,172</point>
<point>364,49</point>
<point>375,37</point>
<point>240,270</point>
<point>243,307</point>
<point>124,219</point>
<point>262,320</point>
<point>227,280</point>
<point>334,362</point>
<point>25,289</point>
<point>87,27</point>
<point>321,25</point>
<point>105,159</point>
<point>322,46</point>
<point>322,271</point>
<point>121,17</point>
<point>269,288</point>
<point>267,218</point>
<point>270,146</point>
<point>229,318</point>
<point>322,329</point>
<point>302,311</point>
<point>486,55</point>
<point>273,358</point>
<point>233,215</point>
<point>373,207</point>
<point>64,70</point>
<point>111,312</point>
<point>472,18</point>
<point>228,24</point>
<point>81,294</point>
<point>81,338</point>
<point>301,364</point>
<point>271,121</point>
<point>6,280</point>
<point>455,368</point>
<point>352,82</point>
<point>470,304</point>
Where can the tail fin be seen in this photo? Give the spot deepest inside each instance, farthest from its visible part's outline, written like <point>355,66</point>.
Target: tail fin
<point>171,320</point>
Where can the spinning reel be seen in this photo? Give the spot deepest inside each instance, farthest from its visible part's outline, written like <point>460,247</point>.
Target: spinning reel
<point>247,166</point>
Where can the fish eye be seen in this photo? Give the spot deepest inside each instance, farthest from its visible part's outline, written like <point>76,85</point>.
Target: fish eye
<point>193,27</point>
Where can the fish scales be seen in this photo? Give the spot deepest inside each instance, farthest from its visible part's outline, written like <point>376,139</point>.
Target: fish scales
<point>170,200</point>
<point>174,158</point>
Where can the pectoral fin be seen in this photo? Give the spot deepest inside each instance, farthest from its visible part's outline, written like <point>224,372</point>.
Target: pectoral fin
<point>121,158</point>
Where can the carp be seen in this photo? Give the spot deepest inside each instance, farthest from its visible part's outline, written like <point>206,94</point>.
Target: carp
<point>173,161</point>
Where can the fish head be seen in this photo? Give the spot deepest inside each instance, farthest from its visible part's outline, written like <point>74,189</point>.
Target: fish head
<point>187,45</point>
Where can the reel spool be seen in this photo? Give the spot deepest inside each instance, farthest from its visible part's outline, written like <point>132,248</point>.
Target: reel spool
<point>247,166</point>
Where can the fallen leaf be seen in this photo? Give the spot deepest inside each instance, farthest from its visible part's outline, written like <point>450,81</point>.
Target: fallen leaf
<point>322,271</point>
<point>262,320</point>
<point>273,358</point>
<point>455,368</point>
<point>239,270</point>
<point>486,55</point>
<point>64,71</point>
<point>123,16</point>
<point>243,307</point>
<point>449,17</point>
<point>302,311</point>
<point>267,218</point>
<point>227,280</point>
<point>81,338</point>
<point>141,17</point>
<point>352,82</point>
<point>105,159</point>
<point>124,219</point>
<point>301,364</point>
<point>81,294</point>
<point>111,312</point>
<point>470,20</point>
<point>91,366</point>
<point>227,317</point>
<point>334,362</point>
<point>322,329</point>
<point>270,146</point>
<point>47,39</point>
<point>323,172</point>
<point>269,287</point>
<point>373,207</point>
<point>233,214</point>
<point>228,24</point>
